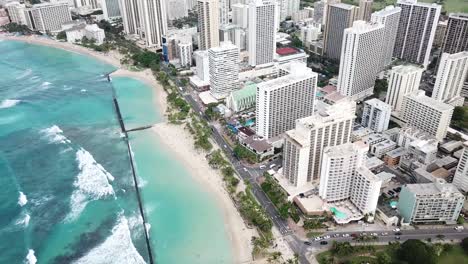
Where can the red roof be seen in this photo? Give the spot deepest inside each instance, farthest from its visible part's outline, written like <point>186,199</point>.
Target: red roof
<point>286,51</point>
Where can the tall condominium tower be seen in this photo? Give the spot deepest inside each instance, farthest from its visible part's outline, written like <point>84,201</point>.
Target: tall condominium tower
<point>110,9</point>
<point>416,31</point>
<point>224,69</point>
<point>48,16</point>
<point>326,6</point>
<point>339,165</point>
<point>16,12</point>
<point>303,146</point>
<point>208,23</point>
<point>456,34</point>
<point>362,44</point>
<point>339,17</point>
<point>376,115</point>
<point>223,12</point>
<point>365,9</point>
<point>451,75</point>
<point>240,15</point>
<point>145,18</point>
<point>461,174</point>
<point>262,32</point>
<point>426,114</point>
<point>282,100</point>
<point>176,9</point>
<point>403,80</point>
<point>389,17</point>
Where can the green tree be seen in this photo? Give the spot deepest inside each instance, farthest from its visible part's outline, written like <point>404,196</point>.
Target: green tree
<point>384,258</point>
<point>62,35</point>
<point>342,248</point>
<point>464,244</point>
<point>416,251</point>
<point>297,42</point>
<point>460,220</point>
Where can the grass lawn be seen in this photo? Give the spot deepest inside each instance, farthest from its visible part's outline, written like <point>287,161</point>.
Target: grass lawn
<point>454,256</point>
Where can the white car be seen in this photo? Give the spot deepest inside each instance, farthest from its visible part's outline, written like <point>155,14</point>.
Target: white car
<point>396,230</point>
<point>262,167</point>
<point>326,237</point>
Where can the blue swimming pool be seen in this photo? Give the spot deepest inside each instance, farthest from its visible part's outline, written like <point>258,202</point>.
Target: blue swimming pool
<point>338,214</point>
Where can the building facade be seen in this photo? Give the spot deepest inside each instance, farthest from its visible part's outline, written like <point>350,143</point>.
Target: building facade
<point>403,80</point>
<point>376,115</point>
<point>304,145</point>
<point>461,174</point>
<point>365,191</point>
<point>339,17</point>
<point>262,32</point>
<point>456,34</point>
<point>110,9</point>
<point>48,16</point>
<point>208,24</point>
<point>16,12</point>
<point>282,100</point>
<point>416,31</point>
<point>185,54</point>
<point>426,114</point>
<point>389,17</point>
<point>451,75</point>
<point>365,9</point>
<point>430,202</point>
<point>224,69</point>
<point>362,44</point>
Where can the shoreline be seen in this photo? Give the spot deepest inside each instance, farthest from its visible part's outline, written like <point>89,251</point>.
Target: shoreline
<point>175,139</point>
<point>179,142</point>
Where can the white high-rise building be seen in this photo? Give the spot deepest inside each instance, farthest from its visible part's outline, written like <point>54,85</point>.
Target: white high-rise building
<point>146,19</point>
<point>338,170</point>
<point>110,9</point>
<point>223,12</point>
<point>262,32</point>
<point>303,146</point>
<point>403,80</point>
<point>48,16</point>
<point>310,33</point>
<point>365,9</point>
<point>282,100</point>
<point>176,9</point>
<point>426,114</point>
<point>203,65</point>
<point>376,115</point>
<point>430,202</point>
<point>16,12</point>
<point>224,69</point>
<point>318,11</point>
<point>362,44</point>
<point>185,53</point>
<point>451,75</point>
<point>240,15</point>
<point>461,174</point>
<point>208,23</point>
<point>365,191</point>
<point>389,17</point>
<point>416,31</point>
<point>287,8</point>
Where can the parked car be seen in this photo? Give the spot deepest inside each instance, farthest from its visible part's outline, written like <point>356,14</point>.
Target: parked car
<point>323,243</point>
<point>307,243</point>
<point>397,238</point>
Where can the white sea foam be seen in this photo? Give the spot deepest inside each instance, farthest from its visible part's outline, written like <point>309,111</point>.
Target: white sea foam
<point>24,221</point>
<point>55,135</point>
<point>92,183</point>
<point>148,227</point>
<point>84,90</point>
<point>7,103</point>
<point>118,248</point>
<point>24,74</point>
<point>22,199</point>
<point>31,258</point>
<point>45,84</point>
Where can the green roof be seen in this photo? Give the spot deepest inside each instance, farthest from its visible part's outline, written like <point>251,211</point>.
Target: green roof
<point>249,90</point>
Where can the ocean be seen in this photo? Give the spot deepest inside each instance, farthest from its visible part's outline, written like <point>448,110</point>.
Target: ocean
<point>67,189</point>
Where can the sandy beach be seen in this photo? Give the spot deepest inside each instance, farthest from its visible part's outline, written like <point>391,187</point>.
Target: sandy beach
<point>180,142</point>
<point>177,140</point>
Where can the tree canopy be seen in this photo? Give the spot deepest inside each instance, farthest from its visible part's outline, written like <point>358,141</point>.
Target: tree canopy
<point>416,251</point>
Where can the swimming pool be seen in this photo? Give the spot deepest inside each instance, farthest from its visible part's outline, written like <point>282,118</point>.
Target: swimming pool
<point>393,204</point>
<point>338,214</point>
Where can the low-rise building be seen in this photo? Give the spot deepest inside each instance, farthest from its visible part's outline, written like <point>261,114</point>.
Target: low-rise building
<point>259,146</point>
<point>392,158</point>
<point>77,31</point>
<point>288,54</point>
<point>381,148</point>
<point>244,98</point>
<point>430,203</point>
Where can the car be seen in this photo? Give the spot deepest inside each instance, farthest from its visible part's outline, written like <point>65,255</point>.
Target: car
<point>336,235</point>
<point>245,169</point>
<point>323,242</point>
<point>354,235</point>
<point>397,238</point>
<point>307,243</point>
<point>396,230</point>
<point>272,166</point>
<point>384,234</point>
<point>374,234</point>
<point>262,167</point>
<point>345,235</point>
<point>398,233</point>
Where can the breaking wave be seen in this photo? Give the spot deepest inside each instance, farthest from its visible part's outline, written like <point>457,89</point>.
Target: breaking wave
<point>55,135</point>
<point>92,183</point>
<point>31,258</point>
<point>118,248</point>
<point>24,221</point>
<point>22,199</point>
<point>7,103</point>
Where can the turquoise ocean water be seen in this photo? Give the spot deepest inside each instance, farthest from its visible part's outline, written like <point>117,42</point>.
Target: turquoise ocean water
<point>67,191</point>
